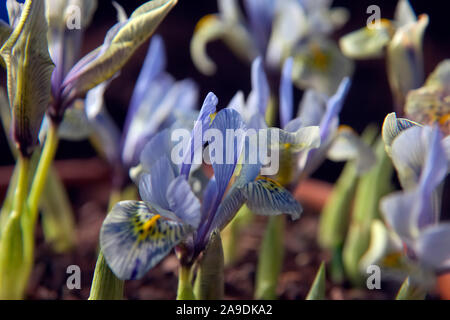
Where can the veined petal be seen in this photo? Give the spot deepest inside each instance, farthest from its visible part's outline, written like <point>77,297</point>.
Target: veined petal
<point>154,65</point>
<point>348,146</point>
<point>29,68</point>
<point>135,237</point>
<point>183,202</point>
<point>153,187</point>
<point>432,247</point>
<point>202,124</point>
<point>160,145</point>
<point>226,121</point>
<point>259,96</point>
<point>238,103</point>
<point>125,39</point>
<point>392,127</point>
<point>266,197</point>
<point>286,93</point>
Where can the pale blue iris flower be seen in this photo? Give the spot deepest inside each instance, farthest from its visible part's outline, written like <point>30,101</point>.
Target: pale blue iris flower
<point>416,236</point>
<point>316,110</point>
<point>275,30</point>
<point>136,235</point>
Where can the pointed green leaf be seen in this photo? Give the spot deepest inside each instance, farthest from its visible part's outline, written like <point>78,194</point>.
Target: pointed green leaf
<point>29,70</point>
<point>317,291</point>
<point>209,284</point>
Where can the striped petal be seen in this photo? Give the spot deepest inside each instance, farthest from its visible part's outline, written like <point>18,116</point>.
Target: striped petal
<point>392,126</point>
<point>135,236</point>
<point>153,187</point>
<point>201,125</point>
<point>121,43</point>
<point>267,197</point>
<point>183,202</point>
<point>29,70</point>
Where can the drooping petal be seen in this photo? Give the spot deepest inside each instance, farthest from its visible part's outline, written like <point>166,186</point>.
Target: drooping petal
<point>302,139</point>
<point>367,43</point>
<point>259,96</point>
<point>29,69</point>
<point>124,39</point>
<point>183,202</point>
<point>214,27</point>
<point>135,237</point>
<point>266,197</point>
<point>432,247</point>
<point>196,141</point>
<point>15,9</point>
<point>286,93</point>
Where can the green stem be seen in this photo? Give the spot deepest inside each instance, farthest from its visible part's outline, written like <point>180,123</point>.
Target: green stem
<point>14,269</point>
<point>270,259</point>
<point>185,290</point>
<point>40,178</point>
<point>105,285</point>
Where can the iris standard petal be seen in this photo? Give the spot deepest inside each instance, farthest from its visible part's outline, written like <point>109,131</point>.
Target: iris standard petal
<point>312,108</point>
<point>154,65</point>
<point>135,236</point>
<point>259,96</point>
<point>183,202</point>
<point>202,124</point>
<point>334,107</point>
<point>153,186</point>
<point>286,93</point>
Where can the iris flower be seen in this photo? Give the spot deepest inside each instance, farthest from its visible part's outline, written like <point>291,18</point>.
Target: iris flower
<point>275,30</point>
<point>136,235</point>
<point>402,37</point>
<point>315,110</point>
<point>416,241</point>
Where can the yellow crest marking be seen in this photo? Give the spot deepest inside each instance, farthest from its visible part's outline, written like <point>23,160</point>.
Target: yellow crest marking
<point>150,223</point>
<point>205,21</point>
<point>212,116</point>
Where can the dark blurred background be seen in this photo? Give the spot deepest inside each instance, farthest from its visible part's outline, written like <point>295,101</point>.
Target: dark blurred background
<point>368,102</point>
